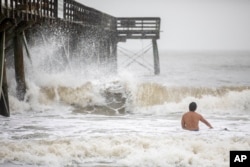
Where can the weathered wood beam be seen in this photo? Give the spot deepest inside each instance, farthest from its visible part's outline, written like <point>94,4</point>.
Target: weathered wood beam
<point>19,67</point>
<point>156,57</point>
<point>4,100</point>
<point>26,46</point>
<point>114,54</point>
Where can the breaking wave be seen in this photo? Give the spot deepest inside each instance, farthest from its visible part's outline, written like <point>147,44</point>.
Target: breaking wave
<point>118,97</point>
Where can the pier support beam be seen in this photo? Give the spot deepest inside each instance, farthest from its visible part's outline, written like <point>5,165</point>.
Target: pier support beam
<point>102,54</point>
<point>4,100</point>
<point>114,55</point>
<point>156,57</point>
<point>19,67</point>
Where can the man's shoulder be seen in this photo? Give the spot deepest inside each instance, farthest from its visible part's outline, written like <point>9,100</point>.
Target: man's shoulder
<point>198,115</point>
<point>192,113</point>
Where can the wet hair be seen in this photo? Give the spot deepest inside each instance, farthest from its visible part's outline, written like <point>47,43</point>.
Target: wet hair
<point>192,106</point>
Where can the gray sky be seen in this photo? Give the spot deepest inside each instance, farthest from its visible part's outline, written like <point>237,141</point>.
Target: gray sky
<point>189,24</point>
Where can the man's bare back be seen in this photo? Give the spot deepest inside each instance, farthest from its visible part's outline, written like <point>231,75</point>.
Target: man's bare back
<point>190,120</point>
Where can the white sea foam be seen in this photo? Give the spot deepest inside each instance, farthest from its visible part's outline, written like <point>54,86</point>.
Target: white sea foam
<point>181,149</point>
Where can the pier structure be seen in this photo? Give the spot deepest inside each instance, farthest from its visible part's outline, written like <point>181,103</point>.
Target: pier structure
<point>24,22</point>
<point>141,28</point>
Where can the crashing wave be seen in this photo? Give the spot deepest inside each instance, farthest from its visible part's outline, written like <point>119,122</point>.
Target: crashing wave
<point>87,98</point>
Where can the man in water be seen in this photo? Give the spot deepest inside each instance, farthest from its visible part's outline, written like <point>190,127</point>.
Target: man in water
<point>190,120</point>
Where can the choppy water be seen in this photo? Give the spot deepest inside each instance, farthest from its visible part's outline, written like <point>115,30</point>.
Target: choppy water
<point>66,119</point>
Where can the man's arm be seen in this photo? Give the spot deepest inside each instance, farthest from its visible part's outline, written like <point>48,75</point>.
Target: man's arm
<point>206,122</point>
<point>183,123</point>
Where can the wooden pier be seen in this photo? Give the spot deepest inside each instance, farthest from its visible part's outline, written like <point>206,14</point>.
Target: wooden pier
<point>21,20</point>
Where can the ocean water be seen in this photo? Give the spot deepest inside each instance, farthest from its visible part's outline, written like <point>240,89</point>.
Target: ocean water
<point>71,117</point>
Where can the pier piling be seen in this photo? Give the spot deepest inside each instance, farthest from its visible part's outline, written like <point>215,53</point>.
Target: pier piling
<point>4,101</point>
<point>156,57</point>
<point>19,67</point>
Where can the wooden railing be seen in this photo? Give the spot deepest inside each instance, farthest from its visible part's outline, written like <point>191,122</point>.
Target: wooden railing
<point>126,28</point>
<point>138,27</point>
<point>74,11</point>
<point>29,9</point>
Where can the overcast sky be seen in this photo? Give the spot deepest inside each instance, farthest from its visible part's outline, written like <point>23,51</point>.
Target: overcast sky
<point>189,24</point>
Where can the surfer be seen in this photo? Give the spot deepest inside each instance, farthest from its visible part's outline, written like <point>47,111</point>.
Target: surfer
<point>190,120</point>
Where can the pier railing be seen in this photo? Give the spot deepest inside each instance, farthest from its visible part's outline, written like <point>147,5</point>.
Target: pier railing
<point>29,9</point>
<point>138,28</point>
<point>73,11</point>
<point>76,12</point>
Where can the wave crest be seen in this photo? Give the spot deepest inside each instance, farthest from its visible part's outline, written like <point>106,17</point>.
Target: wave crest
<point>154,94</point>
<point>88,98</point>
<point>117,97</point>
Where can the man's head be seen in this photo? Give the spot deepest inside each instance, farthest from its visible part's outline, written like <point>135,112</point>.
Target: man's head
<point>192,106</point>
